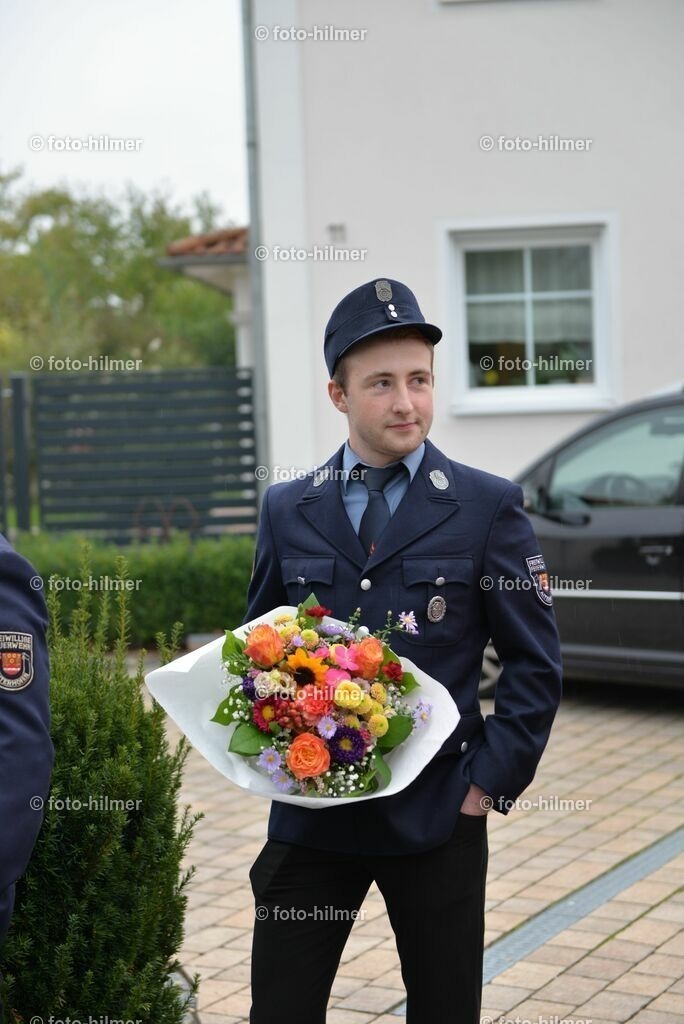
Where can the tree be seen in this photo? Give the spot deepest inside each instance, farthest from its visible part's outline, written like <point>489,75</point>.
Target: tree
<point>79,277</point>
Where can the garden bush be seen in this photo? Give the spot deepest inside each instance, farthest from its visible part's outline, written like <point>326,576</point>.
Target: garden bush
<point>99,914</point>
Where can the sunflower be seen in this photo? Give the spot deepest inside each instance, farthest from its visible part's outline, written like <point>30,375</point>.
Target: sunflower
<point>305,668</point>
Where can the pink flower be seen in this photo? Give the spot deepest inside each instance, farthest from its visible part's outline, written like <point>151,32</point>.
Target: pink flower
<point>333,677</point>
<point>345,657</point>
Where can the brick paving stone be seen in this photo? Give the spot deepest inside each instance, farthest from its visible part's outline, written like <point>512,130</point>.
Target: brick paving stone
<point>370,998</point>
<point>528,974</point>
<point>669,966</point>
<point>505,996</point>
<point>598,967</point>
<point>653,1017</point>
<point>630,951</point>
<point>212,991</point>
<point>633,981</point>
<point>669,1002</point>
<point>571,988</point>
<point>617,1006</point>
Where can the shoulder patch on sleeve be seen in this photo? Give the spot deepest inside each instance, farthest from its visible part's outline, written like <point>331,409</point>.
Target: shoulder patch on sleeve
<point>540,577</point>
<point>16,660</point>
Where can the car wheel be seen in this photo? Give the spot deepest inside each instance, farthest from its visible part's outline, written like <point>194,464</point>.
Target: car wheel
<point>490,672</point>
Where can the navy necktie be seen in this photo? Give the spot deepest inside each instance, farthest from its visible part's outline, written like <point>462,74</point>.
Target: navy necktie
<point>377,514</point>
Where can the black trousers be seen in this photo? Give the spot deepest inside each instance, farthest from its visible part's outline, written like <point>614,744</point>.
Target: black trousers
<point>305,904</point>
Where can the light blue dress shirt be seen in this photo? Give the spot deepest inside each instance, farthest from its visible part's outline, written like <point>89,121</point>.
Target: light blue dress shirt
<point>355,492</point>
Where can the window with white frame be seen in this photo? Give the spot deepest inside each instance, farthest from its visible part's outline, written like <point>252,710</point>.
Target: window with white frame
<point>529,316</point>
<point>532,317</point>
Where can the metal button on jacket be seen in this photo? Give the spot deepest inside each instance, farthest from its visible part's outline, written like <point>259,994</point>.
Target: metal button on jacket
<point>440,581</point>
<point>464,746</point>
<point>365,584</point>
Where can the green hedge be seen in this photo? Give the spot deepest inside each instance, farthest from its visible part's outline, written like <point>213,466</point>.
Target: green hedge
<point>99,914</point>
<point>201,583</point>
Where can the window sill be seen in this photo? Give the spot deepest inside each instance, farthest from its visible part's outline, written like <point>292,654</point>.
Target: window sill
<point>529,401</point>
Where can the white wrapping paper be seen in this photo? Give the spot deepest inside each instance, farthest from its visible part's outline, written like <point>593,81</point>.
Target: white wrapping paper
<point>190,689</point>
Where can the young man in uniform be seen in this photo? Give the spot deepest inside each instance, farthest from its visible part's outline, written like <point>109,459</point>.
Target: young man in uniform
<point>413,531</point>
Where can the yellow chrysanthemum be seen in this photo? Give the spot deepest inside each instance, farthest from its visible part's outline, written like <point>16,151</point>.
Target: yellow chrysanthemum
<point>305,668</point>
<point>365,705</point>
<point>376,708</point>
<point>283,617</point>
<point>379,692</point>
<point>348,694</point>
<point>310,637</point>
<point>352,721</point>
<point>287,632</point>
<point>377,725</point>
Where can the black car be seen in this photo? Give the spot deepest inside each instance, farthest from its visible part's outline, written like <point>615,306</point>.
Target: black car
<point>608,508</point>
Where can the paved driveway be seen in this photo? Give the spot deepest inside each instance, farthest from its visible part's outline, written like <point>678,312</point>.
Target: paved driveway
<point>610,785</point>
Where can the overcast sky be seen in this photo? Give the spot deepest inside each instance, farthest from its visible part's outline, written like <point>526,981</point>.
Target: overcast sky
<point>168,72</point>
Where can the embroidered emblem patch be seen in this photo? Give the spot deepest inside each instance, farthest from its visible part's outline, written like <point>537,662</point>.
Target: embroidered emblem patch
<point>540,577</point>
<point>16,660</point>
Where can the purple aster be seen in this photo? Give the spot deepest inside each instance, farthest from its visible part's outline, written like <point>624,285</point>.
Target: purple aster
<point>281,780</point>
<point>297,641</point>
<point>269,759</point>
<point>330,629</point>
<point>327,726</point>
<point>422,712</point>
<point>248,687</point>
<point>347,745</point>
<point>407,621</point>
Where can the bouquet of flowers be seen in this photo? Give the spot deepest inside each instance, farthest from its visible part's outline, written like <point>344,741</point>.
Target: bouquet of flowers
<point>307,689</point>
<point>318,702</point>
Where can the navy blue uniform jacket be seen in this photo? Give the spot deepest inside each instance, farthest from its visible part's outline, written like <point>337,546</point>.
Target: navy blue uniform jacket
<point>26,750</point>
<point>470,532</point>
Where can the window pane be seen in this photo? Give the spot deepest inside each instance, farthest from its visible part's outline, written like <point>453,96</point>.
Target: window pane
<point>496,343</point>
<point>563,341</point>
<point>563,269</point>
<point>494,273</point>
<point>636,461</point>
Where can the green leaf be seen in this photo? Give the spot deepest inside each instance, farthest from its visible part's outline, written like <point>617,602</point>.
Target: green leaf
<point>224,712</point>
<point>400,727</point>
<point>232,646</point>
<point>248,740</point>
<point>409,682</point>
<point>389,655</point>
<point>383,771</point>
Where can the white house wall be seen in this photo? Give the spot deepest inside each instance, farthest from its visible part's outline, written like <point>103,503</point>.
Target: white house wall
<point>383,136</point>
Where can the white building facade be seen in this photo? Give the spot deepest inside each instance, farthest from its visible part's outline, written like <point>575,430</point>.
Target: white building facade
<point>517,163</point>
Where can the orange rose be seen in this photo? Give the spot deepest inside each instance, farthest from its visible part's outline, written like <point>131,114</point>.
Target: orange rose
<point>313,703</point>
<point>369,657</point>
<point>307,756</point>
<point>264,646</point>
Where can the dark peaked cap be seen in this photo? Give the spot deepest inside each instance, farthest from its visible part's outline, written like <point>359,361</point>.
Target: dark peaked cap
<point>371,308</point>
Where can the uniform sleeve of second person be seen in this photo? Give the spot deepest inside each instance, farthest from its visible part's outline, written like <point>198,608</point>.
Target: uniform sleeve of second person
<point>524,632</point>
<point>26,749</point>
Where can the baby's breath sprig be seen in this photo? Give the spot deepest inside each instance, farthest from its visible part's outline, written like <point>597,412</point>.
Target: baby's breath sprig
<point>353,619</point>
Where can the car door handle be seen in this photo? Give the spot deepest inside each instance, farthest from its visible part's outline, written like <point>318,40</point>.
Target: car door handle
<point>654,553</point>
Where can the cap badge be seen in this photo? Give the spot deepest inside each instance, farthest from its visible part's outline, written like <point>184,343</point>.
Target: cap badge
<point>383,290</point>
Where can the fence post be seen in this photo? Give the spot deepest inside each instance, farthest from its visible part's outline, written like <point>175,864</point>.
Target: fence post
<point>21,451</point>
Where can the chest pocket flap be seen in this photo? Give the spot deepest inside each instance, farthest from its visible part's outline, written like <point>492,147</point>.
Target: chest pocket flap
<point>305,569</point>
<point>422,569</point>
